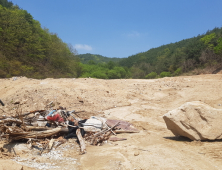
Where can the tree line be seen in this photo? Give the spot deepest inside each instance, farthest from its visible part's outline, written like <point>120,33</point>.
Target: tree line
<point>110,70</point>
<point>200,52</point>
<point>85,58</point>
<point>26,49</point>
<point>203,51</point>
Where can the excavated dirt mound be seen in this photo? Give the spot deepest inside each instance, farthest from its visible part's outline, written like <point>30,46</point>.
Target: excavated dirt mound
<point>141,102</point>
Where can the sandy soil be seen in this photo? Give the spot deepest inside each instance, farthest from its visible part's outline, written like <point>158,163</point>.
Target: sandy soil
<point>141,102</point>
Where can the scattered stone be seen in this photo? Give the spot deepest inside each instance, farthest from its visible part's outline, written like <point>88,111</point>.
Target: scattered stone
<point>14,78</point>
<point>136,153</point>
<point>80,99</point>
<point>195,120</point>
<point>16,102</point>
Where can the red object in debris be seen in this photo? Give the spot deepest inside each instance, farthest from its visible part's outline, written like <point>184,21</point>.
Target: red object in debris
<point>55,118</point>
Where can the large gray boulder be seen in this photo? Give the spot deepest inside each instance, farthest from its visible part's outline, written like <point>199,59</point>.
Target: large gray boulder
<point>195,120</point>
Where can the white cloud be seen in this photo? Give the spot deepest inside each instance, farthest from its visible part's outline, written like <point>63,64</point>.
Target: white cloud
<point>83,47</point>
<point>133,34</point>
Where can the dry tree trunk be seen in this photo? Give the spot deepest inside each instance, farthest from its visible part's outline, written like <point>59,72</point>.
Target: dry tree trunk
<point>37,135</point>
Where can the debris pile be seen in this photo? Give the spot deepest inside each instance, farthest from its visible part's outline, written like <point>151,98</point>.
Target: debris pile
<point>47,129</point>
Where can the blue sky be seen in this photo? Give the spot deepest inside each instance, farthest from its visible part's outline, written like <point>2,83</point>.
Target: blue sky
<point>120,28</point>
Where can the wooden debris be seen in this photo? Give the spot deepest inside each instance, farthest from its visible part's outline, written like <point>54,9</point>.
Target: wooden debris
<point>26,114</point>
<point>11,120</point>
<point>2,103</point>
<point>116,139</point>
<point>106,130</point>
<point>20,127</point>
<point>126,131</point>
<point>100,137</point>
<point>36,135</point>
<point>36,128</point>
<point>44,147</point>
<point>51,142</point>
<point>81,141</point>
<point>110,129</point>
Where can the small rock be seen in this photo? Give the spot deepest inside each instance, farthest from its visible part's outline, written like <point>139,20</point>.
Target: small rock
<point>24,101</point>
<point>14,78</point>
<point>16,102</point>
<point>80,99</point>
<point>136,153</point>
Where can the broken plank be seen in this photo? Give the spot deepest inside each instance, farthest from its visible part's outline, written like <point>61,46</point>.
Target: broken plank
<point>81,141</point>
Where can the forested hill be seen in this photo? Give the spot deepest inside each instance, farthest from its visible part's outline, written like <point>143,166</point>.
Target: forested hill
<point>203,52</point>
<point>26,49</point>
<point>86,58</point>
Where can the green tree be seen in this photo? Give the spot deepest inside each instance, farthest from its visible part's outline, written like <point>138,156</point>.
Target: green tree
<point>207,39</point>
<point>110,65</point>
<point>177,72</point>
<point>151,75</point>
<point>33,51</point>
<point>165,74</point>
<point>218,48</point>
<point>99,74</point>
<point>113,74</point>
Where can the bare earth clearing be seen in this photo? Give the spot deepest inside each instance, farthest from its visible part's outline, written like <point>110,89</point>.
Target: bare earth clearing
<point>141,102</point>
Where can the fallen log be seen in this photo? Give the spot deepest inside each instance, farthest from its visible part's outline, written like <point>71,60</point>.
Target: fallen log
<point>38,135</point>
<point>81,141</point>
<point>35,128</point>
<point>11,120</point>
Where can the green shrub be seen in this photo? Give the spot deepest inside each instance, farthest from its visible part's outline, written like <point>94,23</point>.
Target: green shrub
<point>177,72</point>
<point>113,74</point>
<point>152,75</point>
<point>165,74</point>
<point>99,75</point>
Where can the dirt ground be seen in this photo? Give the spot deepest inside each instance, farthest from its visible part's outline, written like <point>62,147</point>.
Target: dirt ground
<point>141,102</point>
